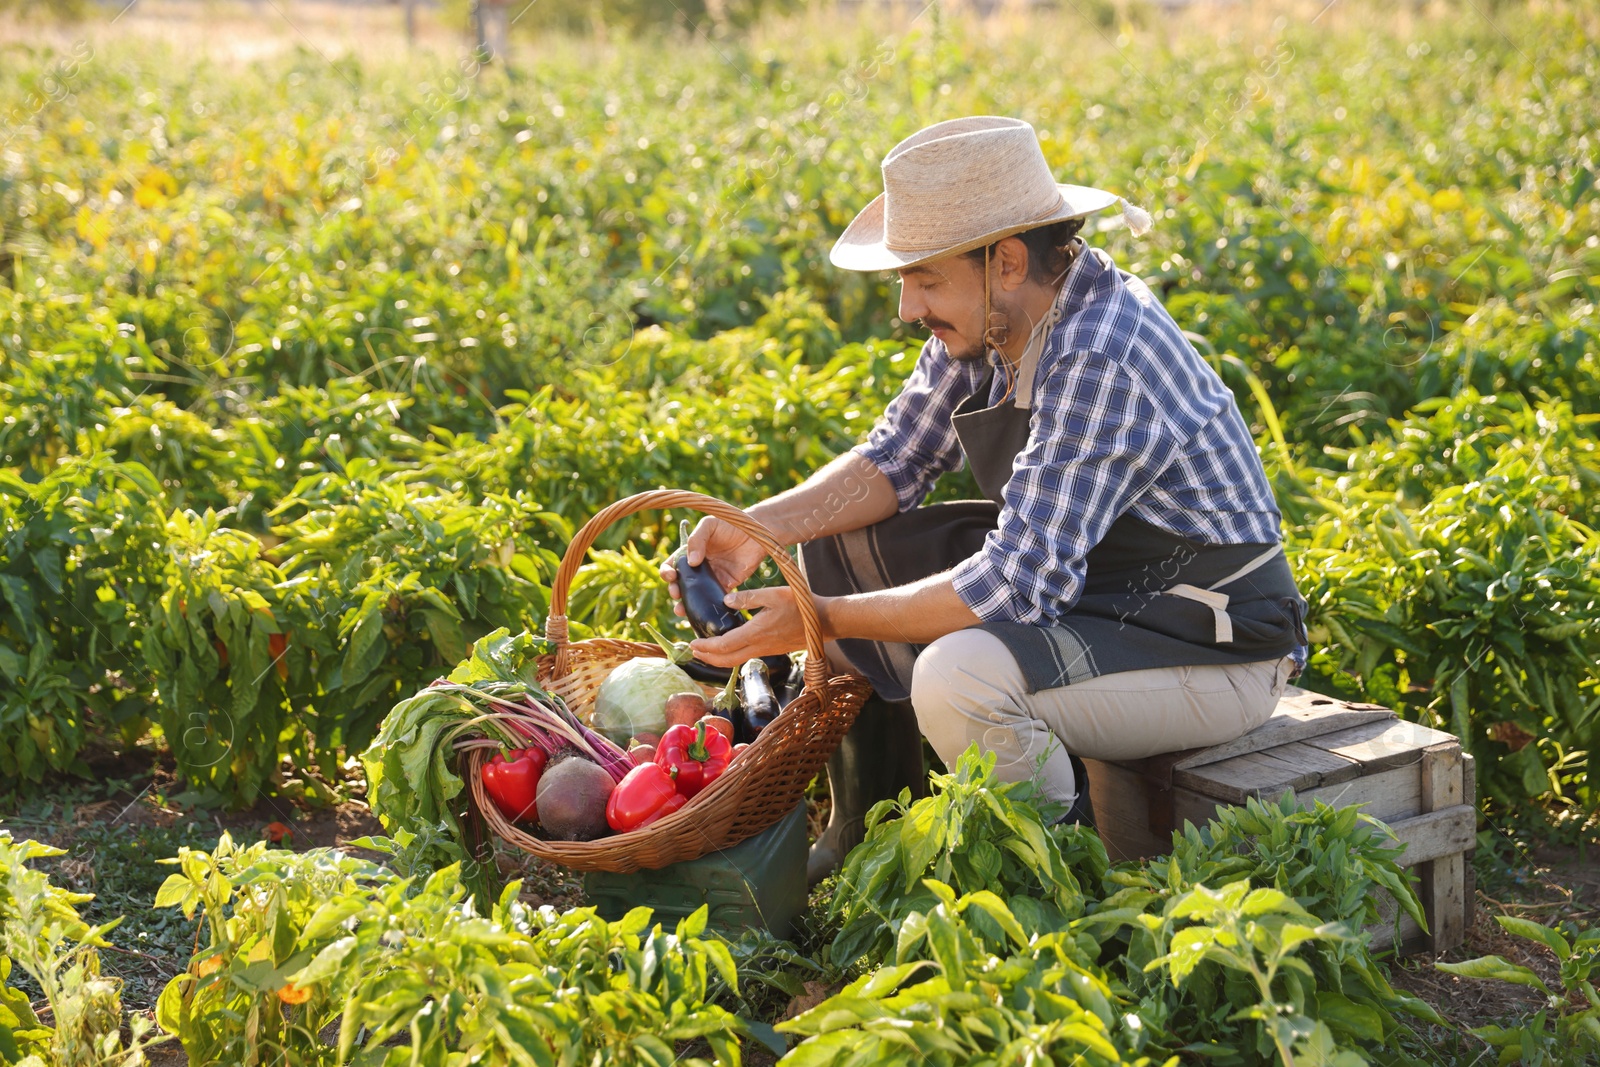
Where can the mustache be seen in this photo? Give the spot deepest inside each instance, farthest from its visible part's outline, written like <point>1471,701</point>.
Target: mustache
<point>930,323</point>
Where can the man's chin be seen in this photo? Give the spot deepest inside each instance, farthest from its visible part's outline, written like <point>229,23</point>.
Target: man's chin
<point>964,352</point>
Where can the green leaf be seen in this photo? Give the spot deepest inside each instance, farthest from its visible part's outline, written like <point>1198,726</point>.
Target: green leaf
<point>1263,902</point>
<point>173,891</point>
<point>1495,967</point>
<point>996,909</point>
<point>1361,1021</point>
<point>325,964</point>
<point>364,650</point>
<point>768,1035</point>
<point>985,860</point>
<point>694,924</point>
<point>1188,949</point>
<point>884,980</point>
<point>1533,931</point>
<point>921,838</point>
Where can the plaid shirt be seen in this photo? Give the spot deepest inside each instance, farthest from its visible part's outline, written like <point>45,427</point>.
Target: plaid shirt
<point>1126,416</point>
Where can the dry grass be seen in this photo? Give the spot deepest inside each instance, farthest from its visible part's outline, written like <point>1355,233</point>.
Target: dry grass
<point>244,31</point>
<point>250,30</point>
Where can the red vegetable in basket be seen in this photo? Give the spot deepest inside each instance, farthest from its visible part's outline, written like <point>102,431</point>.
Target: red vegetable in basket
<point>695,756</point>
<point>646,794</point>
<point>512,781</point>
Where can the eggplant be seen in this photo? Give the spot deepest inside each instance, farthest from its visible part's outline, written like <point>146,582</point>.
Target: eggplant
<point>778,667</point>
<point>727,704</point>
<point>701,671</point>
<point>755,692</point>
<point>702,594</point>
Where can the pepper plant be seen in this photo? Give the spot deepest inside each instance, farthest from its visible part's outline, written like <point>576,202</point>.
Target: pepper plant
<point>219,645</point>
<point>300,942</point>
<point>1566,1028</point>
<point>1335,865</point>
<point>960,992</point>
<point>42,933</point>
<point>403,578</point>
<point>973,833</point>
<point>79,562</point>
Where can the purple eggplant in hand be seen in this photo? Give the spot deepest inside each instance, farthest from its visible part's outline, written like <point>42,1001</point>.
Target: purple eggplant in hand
<point>702,594</point>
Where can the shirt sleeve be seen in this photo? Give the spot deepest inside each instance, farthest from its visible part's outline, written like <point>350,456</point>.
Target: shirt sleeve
<point>913,442</point>
<point>1096,443</point>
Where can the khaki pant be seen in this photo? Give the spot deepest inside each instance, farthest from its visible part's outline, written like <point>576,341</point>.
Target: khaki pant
<point>966,687</point>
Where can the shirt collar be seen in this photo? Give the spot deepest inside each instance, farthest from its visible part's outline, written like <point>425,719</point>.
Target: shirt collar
<point>1074,290</point>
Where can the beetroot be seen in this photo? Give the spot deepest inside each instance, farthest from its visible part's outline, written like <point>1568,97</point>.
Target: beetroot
<point>572,799</point>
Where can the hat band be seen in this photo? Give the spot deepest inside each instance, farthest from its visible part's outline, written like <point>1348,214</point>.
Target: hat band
<point>946,242</point>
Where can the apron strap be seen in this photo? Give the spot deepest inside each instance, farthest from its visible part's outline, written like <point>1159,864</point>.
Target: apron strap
<point>1218,602</point>
<point>1260,561</point>
<point>1029,363</point>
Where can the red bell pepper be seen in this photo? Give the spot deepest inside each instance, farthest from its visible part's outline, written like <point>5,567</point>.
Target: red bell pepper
<point>512,781</point>
<point>695,755</point>
<point>644,795</point>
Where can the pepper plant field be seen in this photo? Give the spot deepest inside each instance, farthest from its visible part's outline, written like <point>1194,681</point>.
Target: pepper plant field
<point>311,365</point>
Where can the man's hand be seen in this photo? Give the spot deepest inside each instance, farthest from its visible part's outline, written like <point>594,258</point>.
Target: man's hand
<point>733,554</point>
<point>775,629</point>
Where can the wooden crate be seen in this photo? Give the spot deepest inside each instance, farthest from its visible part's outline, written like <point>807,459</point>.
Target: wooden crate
<point>1416,779</point>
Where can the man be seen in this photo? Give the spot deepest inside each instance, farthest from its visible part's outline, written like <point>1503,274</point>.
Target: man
<point>1122,591</point>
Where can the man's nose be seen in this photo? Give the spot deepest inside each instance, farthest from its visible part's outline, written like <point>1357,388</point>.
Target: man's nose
<point>912,307</point>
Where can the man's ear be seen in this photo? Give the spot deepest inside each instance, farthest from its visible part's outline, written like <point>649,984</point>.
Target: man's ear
<point>1011,262</point>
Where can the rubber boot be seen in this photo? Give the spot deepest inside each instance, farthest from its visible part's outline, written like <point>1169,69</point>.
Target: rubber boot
<point>1082,811</point>
<point>881,755</point>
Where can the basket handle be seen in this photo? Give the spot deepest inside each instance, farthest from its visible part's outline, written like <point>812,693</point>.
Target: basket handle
<point>555,626</point>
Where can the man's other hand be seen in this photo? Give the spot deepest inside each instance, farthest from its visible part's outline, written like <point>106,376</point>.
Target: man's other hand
<point>774,629</point>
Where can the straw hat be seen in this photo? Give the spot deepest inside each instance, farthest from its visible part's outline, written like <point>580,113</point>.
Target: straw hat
<point>960,185</point>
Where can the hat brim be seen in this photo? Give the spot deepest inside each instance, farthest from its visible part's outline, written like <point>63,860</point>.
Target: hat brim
<point>861,246</point>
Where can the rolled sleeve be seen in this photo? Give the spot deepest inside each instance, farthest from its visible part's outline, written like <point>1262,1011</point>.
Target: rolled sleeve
<point>914,442</point>
<point>1096,443</point>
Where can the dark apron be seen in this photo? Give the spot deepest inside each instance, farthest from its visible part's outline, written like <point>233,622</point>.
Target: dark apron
<point>1149,597</point>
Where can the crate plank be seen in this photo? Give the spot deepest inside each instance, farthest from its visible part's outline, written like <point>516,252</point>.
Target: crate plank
<point>1444,880</point>
<point>1379,746</point>
<point>1189,806</point>
<point>1251,774</point>
<point>1449,831</point>
<point>1299,715</point>
<point>1442,784</point>
<point>1388,795</point>
<point>1331,767</point>
<point>1294,766</point>
<point>1469,891</point>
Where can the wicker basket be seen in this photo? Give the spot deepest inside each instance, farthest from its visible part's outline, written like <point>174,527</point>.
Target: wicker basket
<point>757,789</point>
